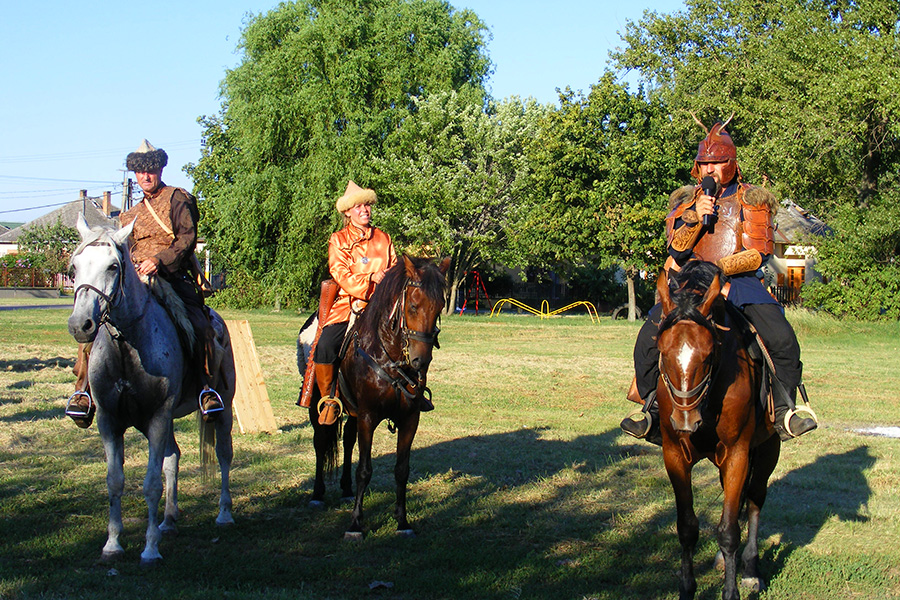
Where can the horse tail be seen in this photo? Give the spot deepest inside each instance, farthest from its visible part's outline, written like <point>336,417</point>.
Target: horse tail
<point>207,450</point>
<point>333,435</point>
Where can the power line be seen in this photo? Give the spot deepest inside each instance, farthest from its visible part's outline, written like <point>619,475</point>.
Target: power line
<point>87,153</point>
<point>58,180</point>
<point>37,207</point>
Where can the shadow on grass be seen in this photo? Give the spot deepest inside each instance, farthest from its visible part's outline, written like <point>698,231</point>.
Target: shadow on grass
<point>36,364</point>
<point>513,514</point>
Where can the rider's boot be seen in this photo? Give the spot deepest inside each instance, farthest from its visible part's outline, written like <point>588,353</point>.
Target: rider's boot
<point>210,401</point>
<point>644,423</point>
<point>80,407</point>
<point>329,407</point>
<point>792,421</point>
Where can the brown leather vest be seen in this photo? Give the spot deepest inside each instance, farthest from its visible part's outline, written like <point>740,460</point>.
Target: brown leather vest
<point>740,226</point>
<point>149,238</point>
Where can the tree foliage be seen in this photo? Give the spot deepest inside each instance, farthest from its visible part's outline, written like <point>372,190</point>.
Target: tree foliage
<point>812,84</point>
<point>321,86</point>
<point>49,247</point>
<point>454,176</point>
<point>605,165</point>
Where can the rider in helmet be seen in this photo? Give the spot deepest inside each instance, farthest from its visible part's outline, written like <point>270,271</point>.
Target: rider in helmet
<point>720,219</point>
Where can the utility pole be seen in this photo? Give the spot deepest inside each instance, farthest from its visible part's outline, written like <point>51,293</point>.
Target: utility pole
<point>126,191</point>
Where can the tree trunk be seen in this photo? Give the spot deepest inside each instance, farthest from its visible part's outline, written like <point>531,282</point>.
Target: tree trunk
<point>632,304</point>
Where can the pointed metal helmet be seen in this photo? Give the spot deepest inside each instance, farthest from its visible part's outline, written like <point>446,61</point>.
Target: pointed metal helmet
<point>716,147</point>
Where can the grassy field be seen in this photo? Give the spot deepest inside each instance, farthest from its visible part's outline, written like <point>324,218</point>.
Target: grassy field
<point>522,485</point>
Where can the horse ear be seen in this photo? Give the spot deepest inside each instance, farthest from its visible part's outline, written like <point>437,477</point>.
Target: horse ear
<point>715,288</point>
<point>122,234</point>
<point>445,265</point>
<point>662,290</point>
<point>82,225</point>
<point>410,268</point>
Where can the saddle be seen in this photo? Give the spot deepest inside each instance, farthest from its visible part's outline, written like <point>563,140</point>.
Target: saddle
<point>174,306</point>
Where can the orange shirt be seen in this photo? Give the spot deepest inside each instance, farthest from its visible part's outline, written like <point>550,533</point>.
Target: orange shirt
<point>353,255</point>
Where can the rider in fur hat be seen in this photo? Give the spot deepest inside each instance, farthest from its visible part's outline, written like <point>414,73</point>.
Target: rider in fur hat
<point>720,219</point>
<point>162,244</point>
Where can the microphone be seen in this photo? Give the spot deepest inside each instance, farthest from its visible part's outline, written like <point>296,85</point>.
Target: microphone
<point>710,187</point>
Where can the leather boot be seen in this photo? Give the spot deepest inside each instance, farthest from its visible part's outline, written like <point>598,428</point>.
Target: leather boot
<point>792,421</point>
<point>329,407</point>
<point>644,423</point>
<point>80,407</point>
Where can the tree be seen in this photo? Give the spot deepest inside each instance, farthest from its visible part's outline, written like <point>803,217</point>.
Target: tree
<point>605,165</point>
<point>321,86</point>
<point>813,86</point>
<point>453,177</point>
<point>49,247</point>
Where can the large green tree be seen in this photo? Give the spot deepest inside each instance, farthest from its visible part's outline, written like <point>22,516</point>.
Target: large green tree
<point>321,86</point>
<point>605,165</point>
<point>454,176</point>
<point>813,85</point>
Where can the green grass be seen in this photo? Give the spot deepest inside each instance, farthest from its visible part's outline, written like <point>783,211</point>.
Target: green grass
<point>522,485</point>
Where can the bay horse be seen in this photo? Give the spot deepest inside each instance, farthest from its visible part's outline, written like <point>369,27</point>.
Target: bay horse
<point>140,377</point>
<point>382,373</point>
<point>708,408</point>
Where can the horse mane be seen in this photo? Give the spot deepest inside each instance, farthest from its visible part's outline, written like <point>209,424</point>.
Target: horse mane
<point>391,287</point>
<point>688,286</point>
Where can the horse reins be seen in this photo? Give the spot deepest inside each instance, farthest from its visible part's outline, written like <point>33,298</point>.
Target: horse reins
<point>700,390</point>
<point>109,299</point>
<point>403,382</point>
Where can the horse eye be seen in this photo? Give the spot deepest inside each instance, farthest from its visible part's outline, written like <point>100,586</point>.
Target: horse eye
<point>113,267</point>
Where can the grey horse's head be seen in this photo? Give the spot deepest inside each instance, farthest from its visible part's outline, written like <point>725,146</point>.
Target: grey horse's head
<point>99,263</point>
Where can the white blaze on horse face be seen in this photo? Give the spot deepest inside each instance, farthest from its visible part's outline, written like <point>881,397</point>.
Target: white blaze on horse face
<point>685,358</point>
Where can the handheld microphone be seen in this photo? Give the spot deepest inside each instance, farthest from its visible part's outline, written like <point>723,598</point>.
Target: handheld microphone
<point>709,187</point>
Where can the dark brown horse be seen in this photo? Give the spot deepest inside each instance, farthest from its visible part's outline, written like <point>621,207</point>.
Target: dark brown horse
<point>383,373</point>
<point>708,407</point>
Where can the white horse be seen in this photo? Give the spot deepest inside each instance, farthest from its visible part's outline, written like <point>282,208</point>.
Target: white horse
<point>139,377</point>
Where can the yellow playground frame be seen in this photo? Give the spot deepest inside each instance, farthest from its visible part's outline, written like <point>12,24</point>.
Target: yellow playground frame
<point>545,312</point>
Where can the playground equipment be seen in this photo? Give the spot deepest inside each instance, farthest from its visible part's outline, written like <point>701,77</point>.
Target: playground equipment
<point>474,291</point>
<point>545,312</point>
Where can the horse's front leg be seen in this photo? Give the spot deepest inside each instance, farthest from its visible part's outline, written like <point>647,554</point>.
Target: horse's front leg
<point>734,476</point>
<point>365,430</point>
<point>688,526</point>
<point>170,470</point>
<point>158,433</point>
<point>406,434</point>
<point>225,456</point>
<point>350,432</point>
<point>765,457</point>
<point>114,446</point>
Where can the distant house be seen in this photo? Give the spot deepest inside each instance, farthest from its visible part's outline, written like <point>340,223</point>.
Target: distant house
<point>793,263</point>
<point>97,211</point>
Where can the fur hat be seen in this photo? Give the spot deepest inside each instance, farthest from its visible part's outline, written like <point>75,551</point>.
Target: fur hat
<point>353,196</point>
<point>146,159</point>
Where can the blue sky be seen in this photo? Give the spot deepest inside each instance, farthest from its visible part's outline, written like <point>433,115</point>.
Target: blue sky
<point>84,83</point>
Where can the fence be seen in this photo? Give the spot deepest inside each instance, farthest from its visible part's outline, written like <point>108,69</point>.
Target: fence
<point>786,294</point>
<point>28,277</point>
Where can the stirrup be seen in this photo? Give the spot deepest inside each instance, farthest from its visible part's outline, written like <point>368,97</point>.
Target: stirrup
<point>77,413</point>
<point>786,422</point>
<point>333,399</point>
<point>631,420</point>
<point>204,412</point>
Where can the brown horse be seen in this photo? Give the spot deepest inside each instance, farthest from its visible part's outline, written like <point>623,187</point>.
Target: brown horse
<point>383,373</point>
<point>708,408</point>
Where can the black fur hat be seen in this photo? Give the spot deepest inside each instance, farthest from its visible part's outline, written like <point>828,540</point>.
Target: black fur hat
<point>146,159</point>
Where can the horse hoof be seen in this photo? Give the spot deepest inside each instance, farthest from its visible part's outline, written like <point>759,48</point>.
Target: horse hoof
<point>151,563</point>
<point>353,536</point>
<point>719,561</point>
<point>168,529</point>
<point>317,504</point>
<point>108,557</point>
<point>754,584</point>
<point>224,522</point>
<point>406,533</point>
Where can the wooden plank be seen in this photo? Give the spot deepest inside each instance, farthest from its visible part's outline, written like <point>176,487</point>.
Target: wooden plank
<point>251,400</point>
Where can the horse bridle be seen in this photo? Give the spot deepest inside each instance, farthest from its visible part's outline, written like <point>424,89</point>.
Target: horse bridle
<point>108,299</point>
<point>700,391</point>
<point>403,382</point>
